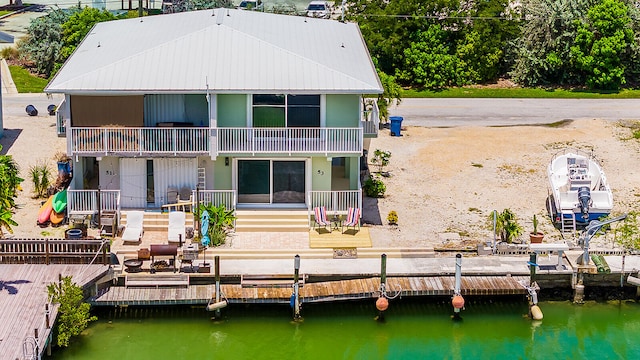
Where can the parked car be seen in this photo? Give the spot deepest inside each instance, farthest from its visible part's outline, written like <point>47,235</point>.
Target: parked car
<point>251,5</point>
<point>319,9</point>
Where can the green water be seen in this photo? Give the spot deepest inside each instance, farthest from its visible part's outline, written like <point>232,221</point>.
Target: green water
<point>412,330</point>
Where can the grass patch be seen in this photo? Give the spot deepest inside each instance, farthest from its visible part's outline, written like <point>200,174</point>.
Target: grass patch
<point>25,82</point>
<point>4,12</point>
<point>536,93</point>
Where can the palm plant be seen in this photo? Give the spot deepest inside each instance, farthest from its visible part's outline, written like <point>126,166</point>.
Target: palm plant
<point>220,221</point>
<point>41,178</point>
<point>507,225</point>
<point>9,185</point>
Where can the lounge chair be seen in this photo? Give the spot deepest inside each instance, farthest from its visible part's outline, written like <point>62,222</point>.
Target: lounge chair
<point>134,230</point>
<point>352,220</point>
<point>320,218</point>
<point>176,227</point>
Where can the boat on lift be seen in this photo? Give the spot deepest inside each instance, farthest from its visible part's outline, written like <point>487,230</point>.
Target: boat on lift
<point>580,192</point>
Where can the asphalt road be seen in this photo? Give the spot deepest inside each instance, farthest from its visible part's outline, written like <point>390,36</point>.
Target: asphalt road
<point>505,112</point>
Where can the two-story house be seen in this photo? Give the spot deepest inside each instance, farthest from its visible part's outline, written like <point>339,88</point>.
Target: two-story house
<point>256,110</point>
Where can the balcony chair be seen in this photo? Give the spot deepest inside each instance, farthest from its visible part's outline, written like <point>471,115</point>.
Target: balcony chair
<point>352,220</point>
<point>320,218</point>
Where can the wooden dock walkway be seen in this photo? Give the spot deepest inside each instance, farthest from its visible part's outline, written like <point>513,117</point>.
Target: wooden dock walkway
<point>312,292</point>
<point>23,299</point>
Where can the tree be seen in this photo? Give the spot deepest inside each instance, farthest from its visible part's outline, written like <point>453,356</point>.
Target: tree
<point>392,94</point>
<point>544,46</point>
<point>9,186</point>
<point>429,61</point>
<point>77,27</point>
<point>602,45</point>
<point>43,42</point>
<point>74,314</point>
<point>484,50</point>
<point>389,27</point>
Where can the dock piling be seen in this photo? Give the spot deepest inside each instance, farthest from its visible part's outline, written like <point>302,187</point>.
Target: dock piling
<point>457,300</point>
<point>216,262</point>
<point>382,303</point>
<point>296,295</point>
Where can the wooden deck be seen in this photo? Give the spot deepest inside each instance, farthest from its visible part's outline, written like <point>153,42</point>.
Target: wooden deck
<point>314,292</point>
<point>23,295</point>
<point>322,238</point>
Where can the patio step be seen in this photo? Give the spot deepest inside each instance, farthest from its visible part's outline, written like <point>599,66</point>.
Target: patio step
<point>156,221</point>
<point>272,221</point>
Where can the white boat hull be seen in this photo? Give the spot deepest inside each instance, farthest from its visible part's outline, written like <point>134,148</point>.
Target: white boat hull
<point>579,188</point>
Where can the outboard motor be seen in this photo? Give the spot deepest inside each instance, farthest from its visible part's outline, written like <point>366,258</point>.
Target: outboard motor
<point>584,197</point>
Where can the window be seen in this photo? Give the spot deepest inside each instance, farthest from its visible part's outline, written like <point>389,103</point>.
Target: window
<point>286,111</point>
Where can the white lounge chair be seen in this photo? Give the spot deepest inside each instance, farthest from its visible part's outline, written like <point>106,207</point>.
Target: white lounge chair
<point>177,221</point>
<point>134,229</point>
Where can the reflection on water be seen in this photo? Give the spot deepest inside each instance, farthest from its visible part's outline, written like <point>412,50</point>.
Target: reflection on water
<point>413,329</point>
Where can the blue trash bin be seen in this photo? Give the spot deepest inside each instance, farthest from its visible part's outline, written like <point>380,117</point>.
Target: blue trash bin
<point>396,125</point>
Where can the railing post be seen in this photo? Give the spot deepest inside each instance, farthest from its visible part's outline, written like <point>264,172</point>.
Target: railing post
<point>46,316</point>
<point>46,249</point>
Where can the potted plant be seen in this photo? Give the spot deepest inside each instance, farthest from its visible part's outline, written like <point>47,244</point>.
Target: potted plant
<point>535,237</point>
<point>64,163</point>
<point>506,226</point>
<point>392,218</point>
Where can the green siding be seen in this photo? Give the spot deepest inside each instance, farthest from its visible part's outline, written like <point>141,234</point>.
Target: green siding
<point>232,110</point>
<point>320,174</point>
<point>222,174</point>
<point>343,110</point>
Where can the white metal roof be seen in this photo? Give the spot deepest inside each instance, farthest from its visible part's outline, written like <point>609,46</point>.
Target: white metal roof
<point>231,51</point>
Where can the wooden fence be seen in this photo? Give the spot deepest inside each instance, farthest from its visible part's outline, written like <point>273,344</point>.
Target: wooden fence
<point>54,251</point>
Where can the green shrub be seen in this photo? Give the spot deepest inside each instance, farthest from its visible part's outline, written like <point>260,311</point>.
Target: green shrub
<point>9,53</point>
<point>74,314</point>
<point>392,218</point>
<point>374,188</point>
<point>41,179</point>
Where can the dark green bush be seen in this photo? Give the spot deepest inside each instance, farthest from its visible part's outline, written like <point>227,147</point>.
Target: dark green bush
<point>374,188</point>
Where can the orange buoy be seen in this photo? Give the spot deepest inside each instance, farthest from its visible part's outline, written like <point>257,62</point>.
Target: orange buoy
<point>382,303</point>
<point>457,301</point>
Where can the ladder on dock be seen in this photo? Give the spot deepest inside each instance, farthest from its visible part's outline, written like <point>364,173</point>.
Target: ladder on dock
<point>568,223</point>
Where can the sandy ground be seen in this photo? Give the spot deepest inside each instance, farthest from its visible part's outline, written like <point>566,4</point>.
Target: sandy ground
<point>30,140</point>
<point>446,182</point>
<point>443,181</point>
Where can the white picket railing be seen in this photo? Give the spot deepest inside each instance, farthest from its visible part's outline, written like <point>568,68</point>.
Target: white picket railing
<point>86,201</point>
<point>216,197</point>
<point>139,141</point>
<point>290,140</point>
<point>371,119</point>
<point>335,202</point>
<point>61,126</point>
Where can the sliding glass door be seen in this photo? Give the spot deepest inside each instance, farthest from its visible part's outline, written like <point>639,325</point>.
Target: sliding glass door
<point>271,182</point>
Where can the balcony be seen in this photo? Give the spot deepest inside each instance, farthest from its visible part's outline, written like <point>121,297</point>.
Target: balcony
<point>145,141</point>
<point>190,141</point>
<point>290,141</point>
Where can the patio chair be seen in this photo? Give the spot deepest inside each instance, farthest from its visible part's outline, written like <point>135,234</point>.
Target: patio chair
<point>177,221</point>
<point>352,220</point>
<point>320,218</point>
<point>134,230</point>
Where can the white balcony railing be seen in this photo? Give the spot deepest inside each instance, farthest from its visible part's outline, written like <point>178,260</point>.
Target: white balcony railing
<point>335,202</point>
<point>61,112</point>
<point>216,197</point>
<point>86,201</point>
<point>371,119</point>
<point>139,141</point>
<point>290,140</point>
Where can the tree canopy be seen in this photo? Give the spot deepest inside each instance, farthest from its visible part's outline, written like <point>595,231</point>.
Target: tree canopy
<point>441,43</point>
